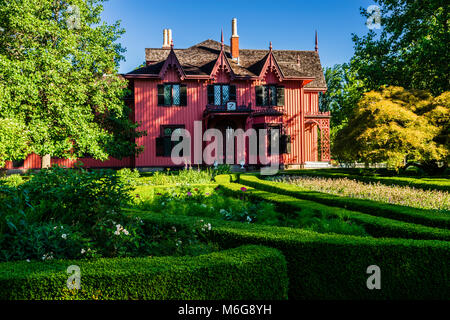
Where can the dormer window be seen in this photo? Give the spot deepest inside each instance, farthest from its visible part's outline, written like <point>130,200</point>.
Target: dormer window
<point>172,94</point>
<point>220,94</point>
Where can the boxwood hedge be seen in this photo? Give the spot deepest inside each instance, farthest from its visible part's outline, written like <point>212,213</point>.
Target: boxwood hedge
<point>326,266</point>
<point>247,272</point>
<point>376,226</point>
<point>407,214</point>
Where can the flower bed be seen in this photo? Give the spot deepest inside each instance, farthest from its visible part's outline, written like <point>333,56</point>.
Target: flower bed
<point>375,226</point>
<point>378,209</point>
<point>426,183</point>
<point>210,201</point>
<point>401,195</point>
<point>75,214</point>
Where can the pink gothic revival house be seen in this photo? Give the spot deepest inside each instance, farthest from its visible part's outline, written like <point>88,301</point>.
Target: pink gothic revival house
<point>225,87</point>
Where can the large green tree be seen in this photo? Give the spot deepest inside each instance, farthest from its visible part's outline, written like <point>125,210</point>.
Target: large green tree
<point>58,79</point>
<point>411,50</point>
<point>397,126</point>
<point>343,93</point>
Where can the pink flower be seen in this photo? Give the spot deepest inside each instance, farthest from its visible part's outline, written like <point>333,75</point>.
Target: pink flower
<point>189,193</point>
<point>243,189</point>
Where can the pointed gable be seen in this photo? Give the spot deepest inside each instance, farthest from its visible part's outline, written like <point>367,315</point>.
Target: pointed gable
<point>271,67</point>
<point>172,63</point>
<point>222,68</point>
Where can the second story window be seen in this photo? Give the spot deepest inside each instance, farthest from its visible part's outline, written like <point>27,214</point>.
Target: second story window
<point>220,94</point>
<point>269,95</point>
<point>171,94</point>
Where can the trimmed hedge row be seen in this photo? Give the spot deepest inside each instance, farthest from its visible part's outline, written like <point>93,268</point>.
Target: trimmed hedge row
<point>376,226</point>
<point>407,214</point>
<point>247,272</point>
<point>422,183</point>
<point>326,266</point>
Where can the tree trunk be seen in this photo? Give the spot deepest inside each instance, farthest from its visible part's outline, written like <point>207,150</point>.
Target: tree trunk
<point>46,161</point>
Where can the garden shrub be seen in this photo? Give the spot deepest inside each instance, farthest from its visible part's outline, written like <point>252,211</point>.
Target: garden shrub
<point>13,180</point>
<point>247,272</point>
<point>325,266</point>
<point>407,214</point>
<point>186,176</point>
<point>74,196</point>
<point>375,226</point>
<point>71,214</point>
<point>129,176</point>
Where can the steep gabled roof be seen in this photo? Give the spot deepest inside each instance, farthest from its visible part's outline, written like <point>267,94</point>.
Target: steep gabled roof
<point>200,59</point>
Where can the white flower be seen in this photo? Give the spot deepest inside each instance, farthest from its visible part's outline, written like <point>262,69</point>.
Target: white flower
<point>203,205</point>
<point>223,211</point>
<point>117,233</point>
<point>249,219</point>
<point>28,260</point>
<point>125,232</point>
<point>54,228</point>
<point>83,251</point>
<point>64,236</point>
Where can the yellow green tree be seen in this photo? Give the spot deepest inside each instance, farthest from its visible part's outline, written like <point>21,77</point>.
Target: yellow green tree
<point>397,126</point>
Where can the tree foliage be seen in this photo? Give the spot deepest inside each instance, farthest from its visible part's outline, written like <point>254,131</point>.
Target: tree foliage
<point>412,49</point>
<point>395,125</point>
<point>58,78</point>
<point>13,140</point>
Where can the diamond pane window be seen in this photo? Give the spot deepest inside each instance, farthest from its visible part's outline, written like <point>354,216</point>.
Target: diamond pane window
<point>176,94</point>
<point>217,96</point>
<point>225,94</point>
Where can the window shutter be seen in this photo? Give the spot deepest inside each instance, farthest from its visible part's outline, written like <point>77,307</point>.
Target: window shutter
<point>280,96</point>
<point>210,94</point>
<point>232,93</point>
<point>160,146</point>
<point>160,94</point>
<point>285,144</point>
<point>167,142</point>
<point>259,95</point>
<point>183,95</point>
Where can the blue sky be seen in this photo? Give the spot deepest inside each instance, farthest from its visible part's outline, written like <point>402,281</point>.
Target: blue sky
<point>288,24</point>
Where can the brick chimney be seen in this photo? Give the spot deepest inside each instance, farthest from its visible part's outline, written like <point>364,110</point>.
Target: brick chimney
<point>234,41</point>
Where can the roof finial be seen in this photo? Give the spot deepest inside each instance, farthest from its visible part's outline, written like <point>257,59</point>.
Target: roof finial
<point>171,44</point>
<point>270,46</point>
<point>317,43</point>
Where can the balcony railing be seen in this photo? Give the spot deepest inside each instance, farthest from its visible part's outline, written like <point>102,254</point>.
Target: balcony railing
<point>318,114</point>
<point>228,109</point>
<point>269,111</point>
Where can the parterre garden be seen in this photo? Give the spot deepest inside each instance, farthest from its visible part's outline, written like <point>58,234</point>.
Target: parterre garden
<point>215,235</point>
